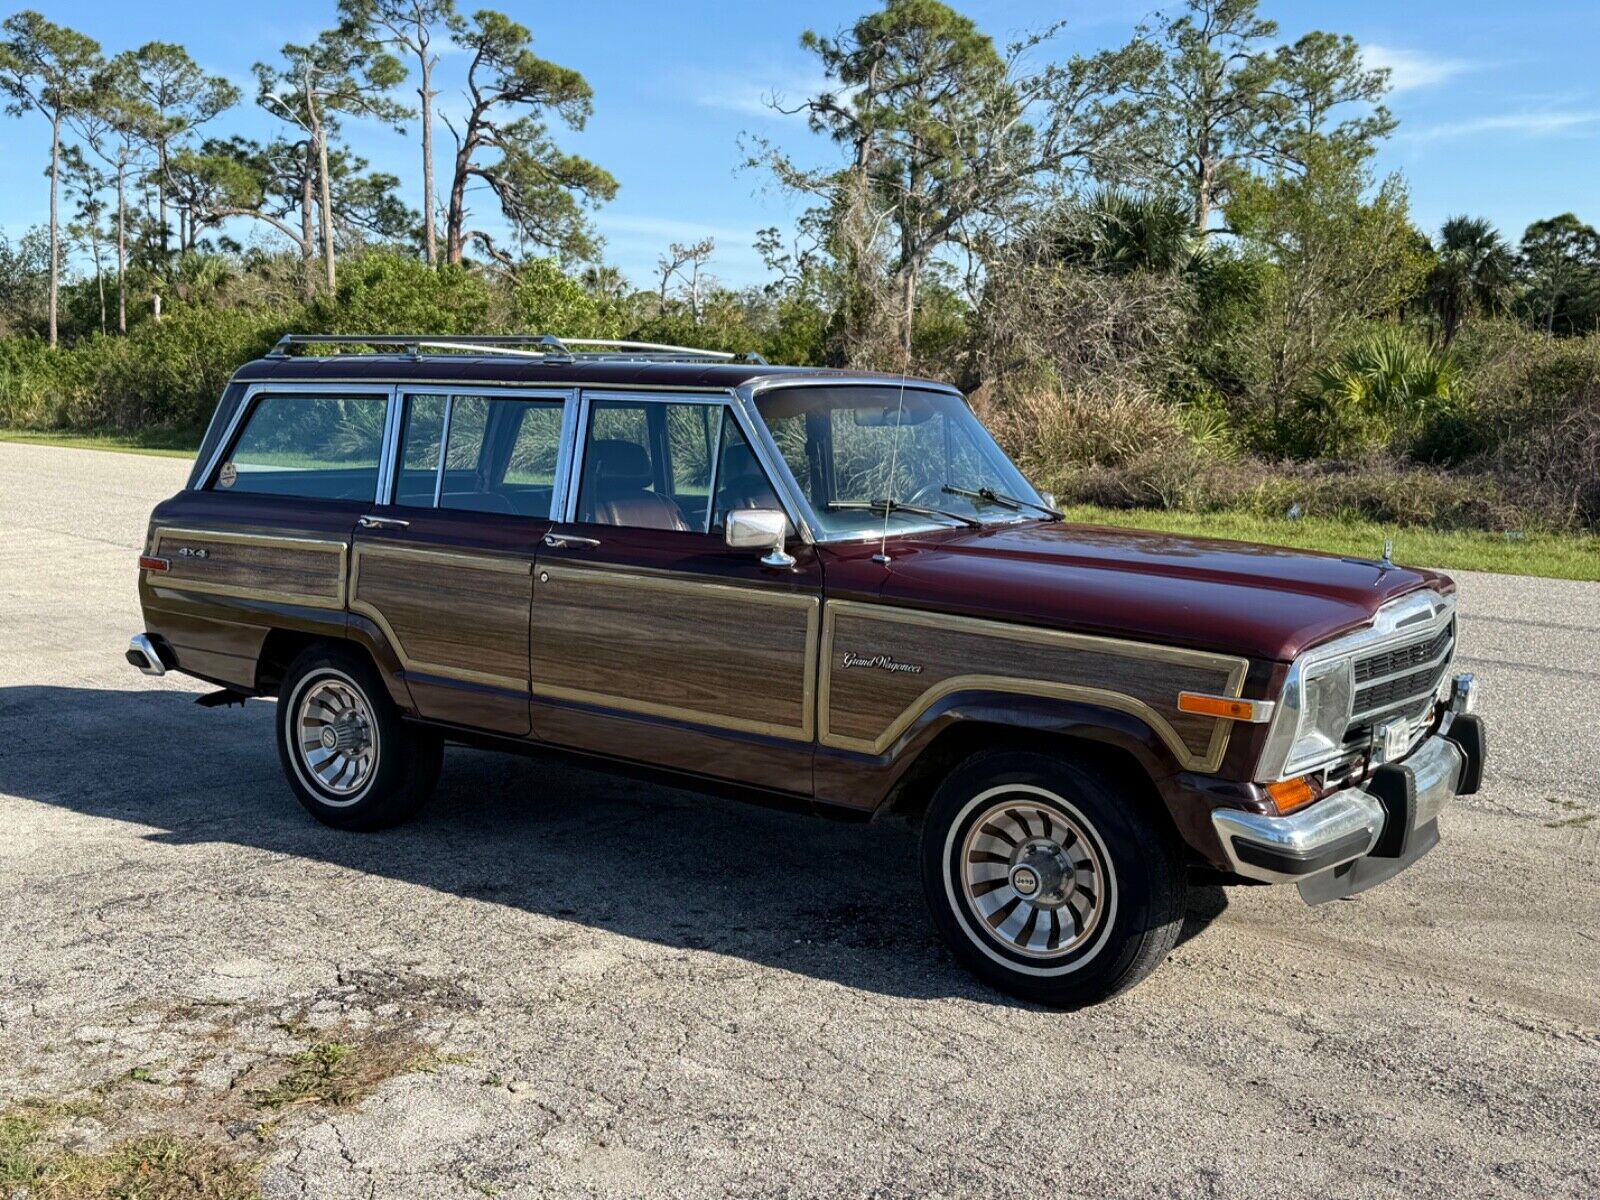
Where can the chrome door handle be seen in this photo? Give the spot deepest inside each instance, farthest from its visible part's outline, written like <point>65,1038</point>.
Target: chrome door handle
<point>565,541</point>
<point>382,523</point>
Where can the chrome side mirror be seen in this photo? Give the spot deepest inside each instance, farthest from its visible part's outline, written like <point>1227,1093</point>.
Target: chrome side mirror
<point>760,529</point>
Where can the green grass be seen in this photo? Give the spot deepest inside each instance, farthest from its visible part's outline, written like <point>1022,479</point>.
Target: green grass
<point>164,443</point>
<point>1552,555</point>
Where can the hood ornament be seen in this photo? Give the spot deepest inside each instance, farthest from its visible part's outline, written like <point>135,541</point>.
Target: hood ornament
<point>1388,553</point>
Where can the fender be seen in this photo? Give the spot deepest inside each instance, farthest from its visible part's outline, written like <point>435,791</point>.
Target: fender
<point>864,781</point>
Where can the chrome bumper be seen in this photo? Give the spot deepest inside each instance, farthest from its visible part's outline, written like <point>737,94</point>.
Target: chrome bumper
<point>1325,847</point>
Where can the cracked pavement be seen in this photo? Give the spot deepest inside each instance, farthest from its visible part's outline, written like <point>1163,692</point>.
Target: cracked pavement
<point>637,991</point>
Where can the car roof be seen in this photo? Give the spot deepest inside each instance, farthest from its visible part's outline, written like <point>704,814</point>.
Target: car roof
<point>530,371</point>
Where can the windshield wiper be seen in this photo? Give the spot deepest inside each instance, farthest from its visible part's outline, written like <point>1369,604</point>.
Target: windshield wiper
<point>889,506</point>
<point>1003,500</point>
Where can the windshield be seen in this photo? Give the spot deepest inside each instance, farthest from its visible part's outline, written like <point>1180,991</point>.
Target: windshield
<point>840,445</point>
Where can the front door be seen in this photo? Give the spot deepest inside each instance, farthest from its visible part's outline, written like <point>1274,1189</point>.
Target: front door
<point>445,567</point>
<point>653,640</point>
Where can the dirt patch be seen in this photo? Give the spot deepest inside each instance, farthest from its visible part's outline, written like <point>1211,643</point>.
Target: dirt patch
<point>218,1083</point>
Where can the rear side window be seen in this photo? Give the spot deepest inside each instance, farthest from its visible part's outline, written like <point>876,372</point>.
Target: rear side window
<point>316,447</point>
<point>499,455</point>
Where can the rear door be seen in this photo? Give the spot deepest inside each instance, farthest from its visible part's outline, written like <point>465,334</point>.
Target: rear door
<point>444,565</point>
<point>262,538</point>
<point>653,640</point>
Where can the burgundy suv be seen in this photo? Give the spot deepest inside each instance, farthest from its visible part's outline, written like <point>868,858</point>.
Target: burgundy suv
<point>813,586</point>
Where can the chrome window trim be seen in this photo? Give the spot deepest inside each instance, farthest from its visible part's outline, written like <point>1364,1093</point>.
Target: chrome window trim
<point>1423,613</point>
<point>404,395</point>
<point>253,395</point>
<point>386,451</point>
<point>716,465</point>
<point>727,400</point>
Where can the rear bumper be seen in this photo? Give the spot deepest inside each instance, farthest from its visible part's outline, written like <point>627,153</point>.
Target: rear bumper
<point>1356,838</point>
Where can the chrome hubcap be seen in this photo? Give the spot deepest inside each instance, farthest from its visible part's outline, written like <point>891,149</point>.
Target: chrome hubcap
<point>334,728</point>
<point>1033,876</point>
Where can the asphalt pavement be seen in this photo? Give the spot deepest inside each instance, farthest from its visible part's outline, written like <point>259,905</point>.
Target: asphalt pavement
<point>606,988</point>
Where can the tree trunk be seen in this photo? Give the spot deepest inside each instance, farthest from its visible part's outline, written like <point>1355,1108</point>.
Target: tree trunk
<point>161,195</point>
<point>457,214</point>
<point>429,246</point>
<point>122,245</point>
<point>55,230</point>
<point>908,309</point>
<point>308,237</point>
<point>324,187</point>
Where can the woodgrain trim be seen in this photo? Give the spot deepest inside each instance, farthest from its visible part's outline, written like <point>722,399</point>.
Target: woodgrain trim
<point>184,583</point>
<point>685,586</point>
<point>1234,668</point>
<point>460,561</point>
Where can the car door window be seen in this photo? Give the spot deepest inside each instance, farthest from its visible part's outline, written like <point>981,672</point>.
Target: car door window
<point>647,465</point>
<point>317,447</point>
<point>499,455</point>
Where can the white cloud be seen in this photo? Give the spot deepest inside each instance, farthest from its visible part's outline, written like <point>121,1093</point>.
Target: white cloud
<point>1550,123</point>
<point>755,94</point>
<point>1413,69</point>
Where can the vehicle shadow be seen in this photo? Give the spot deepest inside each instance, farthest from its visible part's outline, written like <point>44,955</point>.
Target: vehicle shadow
<point>831,900</point>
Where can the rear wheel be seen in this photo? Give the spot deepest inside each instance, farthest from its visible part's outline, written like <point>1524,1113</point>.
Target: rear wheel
<point>350,759</point>
<point>1049,880</point>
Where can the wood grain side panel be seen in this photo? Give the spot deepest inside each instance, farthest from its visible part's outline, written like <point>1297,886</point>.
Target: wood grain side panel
<point>735,657</point>
<point>306,571</point>
<point>461,616</point>
<point>865,707</point>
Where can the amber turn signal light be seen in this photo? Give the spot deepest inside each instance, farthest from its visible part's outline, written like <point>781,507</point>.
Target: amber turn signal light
<point>1290,794</point>
<point>1228,708</point>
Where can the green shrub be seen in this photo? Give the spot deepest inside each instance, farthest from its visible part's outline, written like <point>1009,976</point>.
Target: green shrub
<point>1379,391</point>
<point>383,292</point>
<point>544,300</point>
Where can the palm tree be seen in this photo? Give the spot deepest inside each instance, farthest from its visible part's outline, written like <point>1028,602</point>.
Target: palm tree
<point>1474,273</point>
<point>1117,231</point>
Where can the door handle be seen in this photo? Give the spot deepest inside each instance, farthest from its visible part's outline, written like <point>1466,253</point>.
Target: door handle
<point>567,541</point>
<point>382,523</point>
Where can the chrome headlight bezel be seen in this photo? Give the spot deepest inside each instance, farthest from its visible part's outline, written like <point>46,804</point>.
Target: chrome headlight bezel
<point>1308,729</point>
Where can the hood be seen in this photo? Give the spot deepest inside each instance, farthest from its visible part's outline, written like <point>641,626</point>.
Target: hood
<point>1232,597</point>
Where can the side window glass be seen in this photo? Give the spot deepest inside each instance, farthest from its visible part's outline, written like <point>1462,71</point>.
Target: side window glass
<point>481,469</point>
<point>499,455</point>
<point>648,465</point>
<point>741,481</point>
<point>419,453</point>
<point>317,447</point>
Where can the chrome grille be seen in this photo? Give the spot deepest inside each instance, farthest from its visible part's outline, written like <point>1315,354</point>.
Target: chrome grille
<point>1399,683</point>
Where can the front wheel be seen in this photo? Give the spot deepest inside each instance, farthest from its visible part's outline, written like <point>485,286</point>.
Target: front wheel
<point>351,761</point>
<point>1048,880</point>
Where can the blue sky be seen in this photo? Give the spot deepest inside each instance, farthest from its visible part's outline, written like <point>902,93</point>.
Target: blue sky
<point>1499,104</point>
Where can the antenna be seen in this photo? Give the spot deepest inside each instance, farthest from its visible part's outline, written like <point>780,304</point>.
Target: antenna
<point>882,556</point>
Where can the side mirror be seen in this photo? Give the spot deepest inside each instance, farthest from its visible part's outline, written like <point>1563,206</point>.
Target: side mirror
<point>760,529</point>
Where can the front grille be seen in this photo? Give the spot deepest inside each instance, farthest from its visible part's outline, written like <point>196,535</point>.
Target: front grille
<point>1400,683</point>
<point>1391,661</point>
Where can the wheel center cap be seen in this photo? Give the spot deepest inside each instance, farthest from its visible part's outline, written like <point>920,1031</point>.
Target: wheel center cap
<point>1040,873</point>
<point>330,739</point>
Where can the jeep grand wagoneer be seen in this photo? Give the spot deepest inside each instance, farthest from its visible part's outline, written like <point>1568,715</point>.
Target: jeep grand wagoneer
<point>809,585</point>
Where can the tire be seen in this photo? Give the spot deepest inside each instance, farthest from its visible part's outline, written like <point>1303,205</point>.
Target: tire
<point>1107,877</point>
<point>384,771</point>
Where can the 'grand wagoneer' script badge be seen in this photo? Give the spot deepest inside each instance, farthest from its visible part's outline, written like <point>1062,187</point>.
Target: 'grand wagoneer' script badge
<point>881,662</point>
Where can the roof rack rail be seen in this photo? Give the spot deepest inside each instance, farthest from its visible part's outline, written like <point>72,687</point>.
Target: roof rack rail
<point>544,346</point>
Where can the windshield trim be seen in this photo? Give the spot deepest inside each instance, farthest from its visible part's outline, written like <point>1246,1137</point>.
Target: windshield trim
<point>812,529</point>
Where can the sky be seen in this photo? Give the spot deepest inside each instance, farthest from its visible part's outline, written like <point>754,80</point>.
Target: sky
<point>1499,104</point>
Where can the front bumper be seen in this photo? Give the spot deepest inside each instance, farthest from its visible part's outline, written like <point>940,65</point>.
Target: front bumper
<point>1356,838</point>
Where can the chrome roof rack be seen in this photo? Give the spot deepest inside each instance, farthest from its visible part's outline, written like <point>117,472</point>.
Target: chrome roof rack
<point>543,346</point>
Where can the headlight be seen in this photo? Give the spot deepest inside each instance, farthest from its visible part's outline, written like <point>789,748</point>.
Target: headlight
<point>1310,724</point>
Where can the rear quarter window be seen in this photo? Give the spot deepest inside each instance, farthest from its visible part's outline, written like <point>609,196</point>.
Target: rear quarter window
<point>316,447</point>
